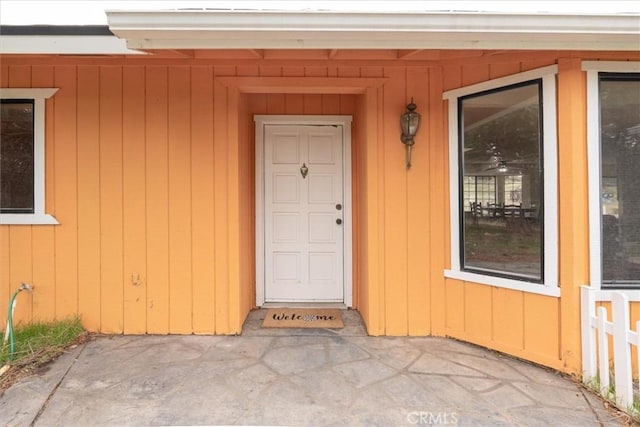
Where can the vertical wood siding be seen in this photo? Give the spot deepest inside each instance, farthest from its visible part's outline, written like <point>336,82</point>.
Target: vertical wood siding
<point>111,199</point>
<point>132,178</point>
<point>134,201</point>
<point>202,200</point>
<point>150,172</point>
<point>573,200</point>
<point>65,192</point>
<point>88,190</point>
<point>438,218</point>
<point>21,238</point>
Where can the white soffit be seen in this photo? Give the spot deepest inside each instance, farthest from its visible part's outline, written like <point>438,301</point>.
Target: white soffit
<point>65,45</point>
<point>220,29</point>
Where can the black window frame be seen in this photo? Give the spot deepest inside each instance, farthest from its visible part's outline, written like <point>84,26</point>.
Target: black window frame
<point>620,283</point>
<point>26,211</point>
<point>461,208</point>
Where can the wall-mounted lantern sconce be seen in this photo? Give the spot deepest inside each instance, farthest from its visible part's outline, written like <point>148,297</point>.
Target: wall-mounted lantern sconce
<point>409,123</point>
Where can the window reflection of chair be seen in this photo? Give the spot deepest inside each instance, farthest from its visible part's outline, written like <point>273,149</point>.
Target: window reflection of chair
<point>532,214</point>
<point>513,211</point>
<point>495,210</point>
<point>476,211</point>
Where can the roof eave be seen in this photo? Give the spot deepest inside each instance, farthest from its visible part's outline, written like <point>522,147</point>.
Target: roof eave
<point>216,29</point>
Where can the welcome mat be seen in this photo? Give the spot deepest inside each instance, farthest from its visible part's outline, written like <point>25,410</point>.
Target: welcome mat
<point>303,318</point>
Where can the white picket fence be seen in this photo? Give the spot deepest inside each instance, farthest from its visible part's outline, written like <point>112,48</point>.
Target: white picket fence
<point>595,344</point>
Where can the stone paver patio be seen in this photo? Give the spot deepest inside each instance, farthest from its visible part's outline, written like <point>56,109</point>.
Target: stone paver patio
<point>296,377</point>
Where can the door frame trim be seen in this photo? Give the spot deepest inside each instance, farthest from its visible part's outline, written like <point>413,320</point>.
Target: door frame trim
<point>332,120</point>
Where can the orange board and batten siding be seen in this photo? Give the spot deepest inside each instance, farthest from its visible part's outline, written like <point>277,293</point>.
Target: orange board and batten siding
<point>150,172</point>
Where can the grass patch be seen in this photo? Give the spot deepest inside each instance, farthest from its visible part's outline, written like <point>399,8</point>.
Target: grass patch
<point>493,241</point>
<point>630,417</point>
<point>37,344</point>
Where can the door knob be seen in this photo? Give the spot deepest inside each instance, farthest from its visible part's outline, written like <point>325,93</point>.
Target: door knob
<point>339,207</point>
<point>338,221</point>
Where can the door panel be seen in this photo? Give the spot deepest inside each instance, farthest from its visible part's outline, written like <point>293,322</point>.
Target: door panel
<point>304,239</point>
<point>286,188</point>
<point>321,188</point>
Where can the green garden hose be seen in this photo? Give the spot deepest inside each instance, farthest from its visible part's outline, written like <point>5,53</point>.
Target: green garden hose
<point>9,332</point>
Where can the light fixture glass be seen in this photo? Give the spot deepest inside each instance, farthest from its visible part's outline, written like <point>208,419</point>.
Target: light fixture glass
<point>409,123</point>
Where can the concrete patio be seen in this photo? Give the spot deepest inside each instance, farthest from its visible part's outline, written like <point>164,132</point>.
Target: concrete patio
<point>302,377</point>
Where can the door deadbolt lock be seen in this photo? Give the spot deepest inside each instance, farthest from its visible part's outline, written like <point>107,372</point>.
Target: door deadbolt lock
<point>338,221</point>
<point>339,207</point>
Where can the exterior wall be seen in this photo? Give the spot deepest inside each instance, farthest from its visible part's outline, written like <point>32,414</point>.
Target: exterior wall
<point>573,204</point>
<point>394,234</point>
<point>362,243</point>
<point>247,207</point>
<point>149,170</point>
<point>138,177</point>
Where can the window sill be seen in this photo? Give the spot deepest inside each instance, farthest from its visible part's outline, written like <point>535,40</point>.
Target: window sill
<point>501,282</point>
<point>27,219</point>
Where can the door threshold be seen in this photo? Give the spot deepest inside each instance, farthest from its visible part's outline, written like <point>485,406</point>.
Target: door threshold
<point>293,304</point>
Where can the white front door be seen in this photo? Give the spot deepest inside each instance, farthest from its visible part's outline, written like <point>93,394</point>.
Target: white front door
<point>303,213</point>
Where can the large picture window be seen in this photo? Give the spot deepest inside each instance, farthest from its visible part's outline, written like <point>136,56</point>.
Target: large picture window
<point>613,133</point>
<point>22,128</point>
<point>613,93</point>
<point>502,133</point>
<point>620,174</point>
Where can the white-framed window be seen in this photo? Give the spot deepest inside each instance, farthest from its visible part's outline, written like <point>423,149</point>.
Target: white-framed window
<point>506,129</point>
<point>613,135</point>
<point>22,131</point>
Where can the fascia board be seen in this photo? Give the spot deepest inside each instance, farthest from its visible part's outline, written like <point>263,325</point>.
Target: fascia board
<point>345,21</point>
<point>374,41</point>
<point>65,45</point>
<point>282,29</point>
